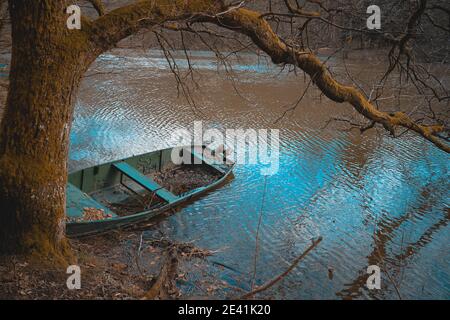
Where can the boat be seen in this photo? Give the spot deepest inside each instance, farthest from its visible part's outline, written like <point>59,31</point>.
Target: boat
<point>123,193</point>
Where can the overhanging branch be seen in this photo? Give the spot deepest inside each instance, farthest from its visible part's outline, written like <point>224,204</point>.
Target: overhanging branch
<point>107,30</point>
<point>251,24</point>
<point>120,23</point>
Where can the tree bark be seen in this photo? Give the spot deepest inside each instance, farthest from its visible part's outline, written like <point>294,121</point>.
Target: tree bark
<point>46,68</point>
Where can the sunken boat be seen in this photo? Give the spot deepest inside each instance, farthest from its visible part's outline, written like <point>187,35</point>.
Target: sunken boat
<point>123,193</point>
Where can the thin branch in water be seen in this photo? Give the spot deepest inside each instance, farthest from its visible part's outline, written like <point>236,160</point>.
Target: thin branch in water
<point>280,277</point>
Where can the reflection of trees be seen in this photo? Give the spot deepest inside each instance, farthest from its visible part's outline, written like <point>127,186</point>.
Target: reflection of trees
<point>425,238</point>
<point>392,266</point>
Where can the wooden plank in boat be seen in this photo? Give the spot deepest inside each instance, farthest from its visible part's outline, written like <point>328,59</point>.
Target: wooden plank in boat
<point>145,181</point>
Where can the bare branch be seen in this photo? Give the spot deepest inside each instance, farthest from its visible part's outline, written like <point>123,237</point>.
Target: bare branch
<point>251,24</point>
<point>98,6</point>
<point>107,30</point>
<point>272,282</point>
<point>300,11</point>
<point>120,23</point>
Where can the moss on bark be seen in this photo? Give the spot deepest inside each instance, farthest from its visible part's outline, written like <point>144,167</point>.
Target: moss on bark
<point>48,61</point>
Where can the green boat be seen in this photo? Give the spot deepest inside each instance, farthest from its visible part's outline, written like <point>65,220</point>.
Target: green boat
<point>132,190</point>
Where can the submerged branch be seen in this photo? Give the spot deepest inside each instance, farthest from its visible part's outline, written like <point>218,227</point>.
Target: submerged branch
<point>285,273</point>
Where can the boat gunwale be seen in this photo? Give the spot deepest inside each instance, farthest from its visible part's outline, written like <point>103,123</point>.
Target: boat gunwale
<point>127,158</point>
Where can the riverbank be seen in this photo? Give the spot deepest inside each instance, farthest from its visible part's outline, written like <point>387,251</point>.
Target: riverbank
<point>121,265</point>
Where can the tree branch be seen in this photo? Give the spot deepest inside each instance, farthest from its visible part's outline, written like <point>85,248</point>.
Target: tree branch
<point>98,6</point>
<point>107,30</point>
<point>120,23</point>
<point>300,11</point>
<point>251,24</point>
<point>275,280</point>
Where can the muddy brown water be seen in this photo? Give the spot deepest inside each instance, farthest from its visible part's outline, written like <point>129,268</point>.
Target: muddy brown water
<point>373,199</point>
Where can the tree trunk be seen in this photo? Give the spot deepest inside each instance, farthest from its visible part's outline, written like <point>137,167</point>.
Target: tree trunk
<point>46,68</point>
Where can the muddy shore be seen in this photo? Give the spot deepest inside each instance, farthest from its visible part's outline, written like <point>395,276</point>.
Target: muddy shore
<point>121,265</point>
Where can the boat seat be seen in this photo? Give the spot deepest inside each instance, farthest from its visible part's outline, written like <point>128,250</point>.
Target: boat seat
<point>77,201</point>
<point>145,182</point>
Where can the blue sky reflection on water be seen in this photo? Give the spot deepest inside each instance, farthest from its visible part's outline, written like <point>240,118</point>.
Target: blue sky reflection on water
<point>385,203</point>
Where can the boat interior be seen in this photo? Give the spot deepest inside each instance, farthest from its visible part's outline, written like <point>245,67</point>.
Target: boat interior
<point>139,183</point>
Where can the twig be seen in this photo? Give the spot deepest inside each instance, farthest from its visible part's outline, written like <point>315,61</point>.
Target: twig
<point>285,273</point>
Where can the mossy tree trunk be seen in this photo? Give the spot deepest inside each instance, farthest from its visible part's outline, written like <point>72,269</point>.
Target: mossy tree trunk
<point>46,69</point>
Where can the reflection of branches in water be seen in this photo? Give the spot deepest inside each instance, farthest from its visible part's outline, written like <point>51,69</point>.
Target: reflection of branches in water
<point>425,238</point>
<point>384,234</point>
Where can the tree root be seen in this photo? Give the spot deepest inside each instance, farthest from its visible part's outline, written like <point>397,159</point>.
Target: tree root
<point>164,286</point>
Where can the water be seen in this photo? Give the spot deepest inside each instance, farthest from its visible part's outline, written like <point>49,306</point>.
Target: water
<point>373,199</point>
